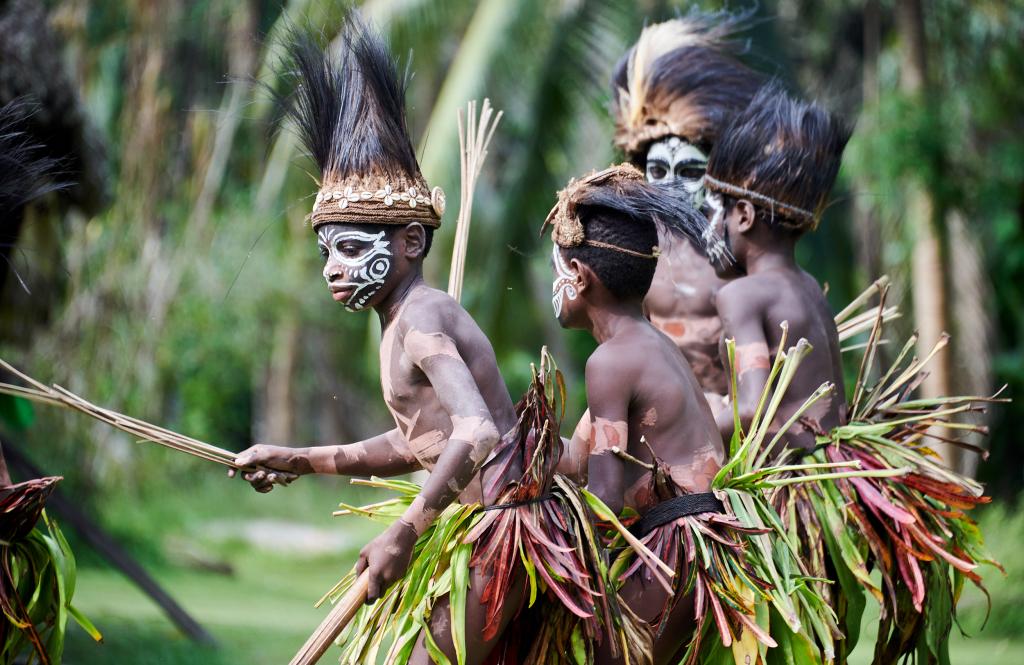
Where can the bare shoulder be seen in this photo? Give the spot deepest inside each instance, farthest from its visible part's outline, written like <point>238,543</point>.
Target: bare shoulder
<point>431,310</point>
<point>614,359</point>
<point>744,294</point>
<point>434,324</point>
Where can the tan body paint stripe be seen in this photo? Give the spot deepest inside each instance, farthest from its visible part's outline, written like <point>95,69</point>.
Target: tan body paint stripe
<point>427,447</point>
<point>608,434</point>
<point>752,356</point>
<point>421,518</point>
<point>420,345</point>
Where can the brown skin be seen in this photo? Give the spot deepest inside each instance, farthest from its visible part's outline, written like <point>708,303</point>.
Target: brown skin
<point>681,304</point>
<point>771,290</point>
<point>638,385</point>
<point>441,383</point>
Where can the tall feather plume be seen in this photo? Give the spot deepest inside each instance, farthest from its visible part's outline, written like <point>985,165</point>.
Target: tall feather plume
<point>782,148</point>
<point>683,77</point>
<point>349,107</point>
<point>26,172</point>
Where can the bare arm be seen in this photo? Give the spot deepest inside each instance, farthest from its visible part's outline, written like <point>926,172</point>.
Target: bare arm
<point>741,321</point>
<point>386,454</point>
<point>576,450</point>
<point>608,397</point>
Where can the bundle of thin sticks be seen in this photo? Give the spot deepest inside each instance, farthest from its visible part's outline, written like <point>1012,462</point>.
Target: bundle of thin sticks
<point>58,396</point>
<point>474,137</point>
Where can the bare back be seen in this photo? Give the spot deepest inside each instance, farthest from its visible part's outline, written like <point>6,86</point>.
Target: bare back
<point>757,305</point>
<point>662,402</point>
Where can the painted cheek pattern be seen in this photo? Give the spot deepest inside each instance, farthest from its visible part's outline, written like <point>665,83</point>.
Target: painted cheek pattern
<point>564,285</point>
<point>718,252</point>
<point>367,272</point>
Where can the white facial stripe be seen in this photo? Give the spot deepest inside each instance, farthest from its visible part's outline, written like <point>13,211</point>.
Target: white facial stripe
<point>368,271</point>
<point>668,158</point>
<point>564,285</point>
<point>718,252</point>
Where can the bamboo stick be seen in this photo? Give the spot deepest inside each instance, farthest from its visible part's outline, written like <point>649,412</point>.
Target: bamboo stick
<point>332,625</point>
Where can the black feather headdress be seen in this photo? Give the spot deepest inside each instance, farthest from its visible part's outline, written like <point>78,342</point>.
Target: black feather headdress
<point>624,192</point>
<point>783,155</point>
<point>26,172</point>
<point>349,110</point>
<point>682,78</point>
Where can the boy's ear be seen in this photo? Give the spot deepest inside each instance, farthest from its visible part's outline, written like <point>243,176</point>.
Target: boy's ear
<point>584,275</point>
<point>415,237</point>
<point>745,214</point>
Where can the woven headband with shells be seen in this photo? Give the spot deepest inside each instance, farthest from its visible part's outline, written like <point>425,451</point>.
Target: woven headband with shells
<point>378,200</point>
<point>567,227</point>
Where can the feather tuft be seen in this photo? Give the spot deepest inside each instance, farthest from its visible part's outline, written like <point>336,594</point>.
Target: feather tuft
<point>683,78</point>
<point>348,104</point>
<point>26,172</point>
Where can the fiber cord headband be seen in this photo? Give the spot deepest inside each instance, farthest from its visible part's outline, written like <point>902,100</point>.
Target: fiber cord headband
<point>798,217</point>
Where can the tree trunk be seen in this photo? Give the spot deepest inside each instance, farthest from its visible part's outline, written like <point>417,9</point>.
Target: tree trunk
<point>867,231</point>
<point>928,267</point>
<point>972,341</point>
<point>278,421</point>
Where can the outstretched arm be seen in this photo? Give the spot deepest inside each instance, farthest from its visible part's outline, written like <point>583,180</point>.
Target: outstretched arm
<point>608,398</point>
<point>473,436</point>
<point>386,454</point>
<point>742,322</point>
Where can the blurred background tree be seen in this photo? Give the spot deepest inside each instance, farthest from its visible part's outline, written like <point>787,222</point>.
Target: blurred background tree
<point>194,299</point>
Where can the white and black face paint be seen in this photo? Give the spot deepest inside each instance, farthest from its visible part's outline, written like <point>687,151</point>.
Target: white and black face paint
<point>673,161</point>
<point>564,285</point>
<point>357,264</point>
<point>716,235</point>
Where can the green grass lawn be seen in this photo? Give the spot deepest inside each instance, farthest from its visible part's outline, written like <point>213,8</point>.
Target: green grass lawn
<point>262,612</point>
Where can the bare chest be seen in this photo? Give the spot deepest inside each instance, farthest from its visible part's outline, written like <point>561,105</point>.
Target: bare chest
<point>412,402</point>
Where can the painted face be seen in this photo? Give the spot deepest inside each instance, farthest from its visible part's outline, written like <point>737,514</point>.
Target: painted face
<point>716,238</point>
<point>356,264</point>
<point>675,162</point>
<point>564,285</point>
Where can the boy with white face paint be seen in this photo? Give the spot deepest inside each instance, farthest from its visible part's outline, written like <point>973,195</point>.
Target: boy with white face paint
<point>672,94</point>
<point>648,445</point>
<point>374,219</point>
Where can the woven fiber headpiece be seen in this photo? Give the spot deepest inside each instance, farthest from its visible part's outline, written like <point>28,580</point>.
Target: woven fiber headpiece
<point>349,110</point>
<point>566,223</point>
<point>682,79</point>
<point>623,192</point>
<point>782,155</point>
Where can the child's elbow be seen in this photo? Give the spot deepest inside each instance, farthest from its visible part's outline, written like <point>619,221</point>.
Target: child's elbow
<point>480,433</point>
